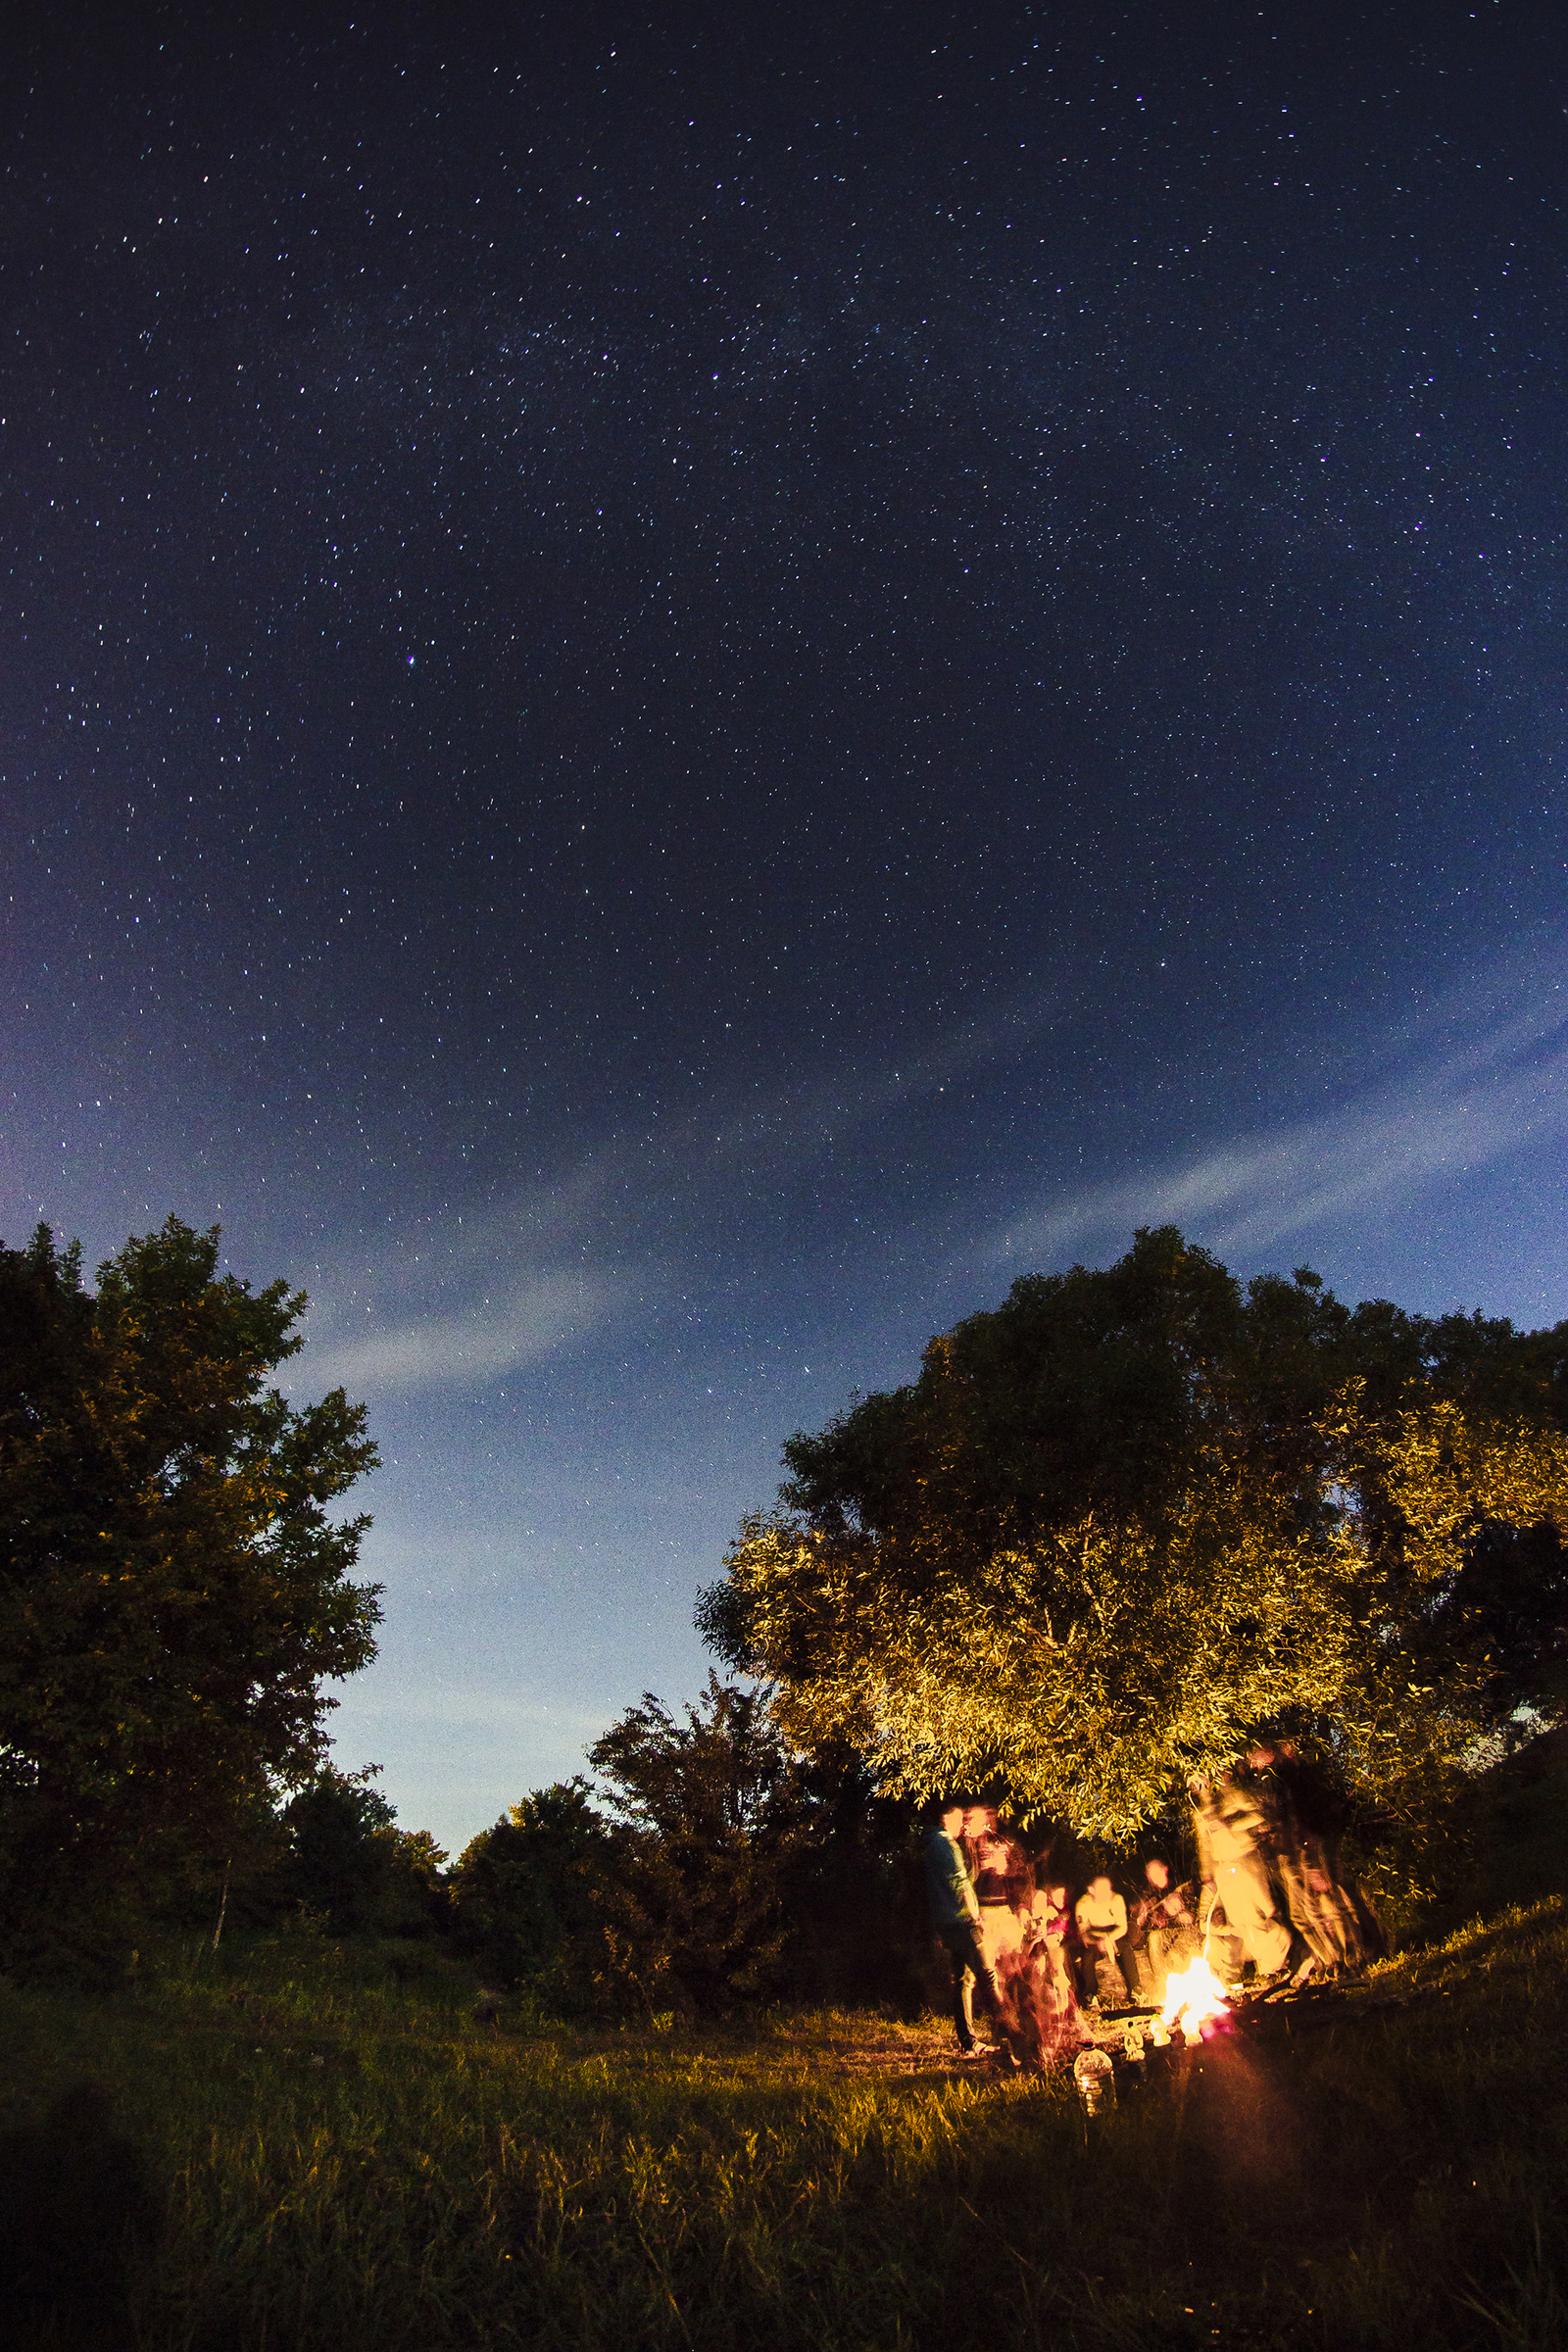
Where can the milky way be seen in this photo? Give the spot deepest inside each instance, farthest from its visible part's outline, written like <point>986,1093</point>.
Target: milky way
<point>678,693</point>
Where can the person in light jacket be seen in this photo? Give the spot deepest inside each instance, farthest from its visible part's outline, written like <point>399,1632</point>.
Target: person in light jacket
<point>956,1916</point>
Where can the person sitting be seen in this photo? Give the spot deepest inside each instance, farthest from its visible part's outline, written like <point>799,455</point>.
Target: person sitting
<point>1102,1919</point>
<point>1163,1932</point>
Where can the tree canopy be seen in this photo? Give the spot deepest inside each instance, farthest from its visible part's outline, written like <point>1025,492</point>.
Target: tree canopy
<point>346,1858</point>
<point>1131,1517</point>
<point>172,1589</point>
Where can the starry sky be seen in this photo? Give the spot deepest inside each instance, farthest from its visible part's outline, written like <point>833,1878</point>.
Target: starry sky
<point>681,686</point>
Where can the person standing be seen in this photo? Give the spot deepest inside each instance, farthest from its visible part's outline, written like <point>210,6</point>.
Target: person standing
<point>1048,2005</point>
<point>1327,1908</point>
<point>956,1916</point>
<point>1001,1878</point>
<point>1232,1842</point>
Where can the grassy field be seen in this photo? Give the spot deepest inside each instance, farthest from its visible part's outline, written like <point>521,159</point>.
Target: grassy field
<point>319,2155</point>
<point>339,2163</point>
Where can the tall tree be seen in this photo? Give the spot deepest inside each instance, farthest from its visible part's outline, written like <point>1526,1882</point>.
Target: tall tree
<point>173,1588</point>
<point>1132,1516</point>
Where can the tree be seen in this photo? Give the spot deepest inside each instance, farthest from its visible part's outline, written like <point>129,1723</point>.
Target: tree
<point>336,1864</point>
<point>749,1868</point>
<point>714,1821</point>
<point>527,1894</point>
<point>1131,1517</point>
<point>172,1589</point>
<point>728,1868</point>
<point>347,1857</point>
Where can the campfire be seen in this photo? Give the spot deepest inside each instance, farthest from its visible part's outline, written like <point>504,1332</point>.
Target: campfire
<point>1195,2000</point>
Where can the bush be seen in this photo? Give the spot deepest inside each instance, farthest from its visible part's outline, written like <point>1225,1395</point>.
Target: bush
<point>729,1871</point>
<point>527,1897</point>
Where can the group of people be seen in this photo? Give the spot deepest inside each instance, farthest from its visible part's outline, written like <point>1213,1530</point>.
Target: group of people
<point>1270,1897</point>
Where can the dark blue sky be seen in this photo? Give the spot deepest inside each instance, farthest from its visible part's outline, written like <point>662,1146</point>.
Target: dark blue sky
<point>682,687</point>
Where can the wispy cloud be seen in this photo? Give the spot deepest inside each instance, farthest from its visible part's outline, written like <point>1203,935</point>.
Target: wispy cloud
<point>1472,1077</point>
<point>411,1352</point>
<point>824,1106</point>
<point>641,1200</point>
<point>450,1708</point>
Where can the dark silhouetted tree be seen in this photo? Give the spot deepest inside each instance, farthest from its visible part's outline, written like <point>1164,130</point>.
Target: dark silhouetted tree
<point>347,1859</point>
<point>173,1590</point>
<point>526,1897</point>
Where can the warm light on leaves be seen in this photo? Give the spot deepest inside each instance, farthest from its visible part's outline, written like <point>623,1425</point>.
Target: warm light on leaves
<point>1232,1560</point>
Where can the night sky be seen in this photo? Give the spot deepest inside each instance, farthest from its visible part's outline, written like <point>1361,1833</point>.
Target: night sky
<point>681,687</point>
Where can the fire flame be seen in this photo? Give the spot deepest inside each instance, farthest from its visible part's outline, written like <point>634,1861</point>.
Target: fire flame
<point>1194,1999</point>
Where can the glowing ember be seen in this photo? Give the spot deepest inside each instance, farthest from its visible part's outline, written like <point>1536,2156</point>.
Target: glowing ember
<point>1194,1999</point>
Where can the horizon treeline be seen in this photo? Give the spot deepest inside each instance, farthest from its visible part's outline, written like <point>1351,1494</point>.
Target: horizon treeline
<point>1115,1530</point>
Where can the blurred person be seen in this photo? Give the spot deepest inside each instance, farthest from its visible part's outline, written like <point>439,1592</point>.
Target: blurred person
<point>1163,1933</point>
<point>1234,1831</point>
<point>956,1916</point>
<point>1328,1909</point>
<point>1046,2003</point>
<point>1002,1885</point>
<point>1224,1953</point>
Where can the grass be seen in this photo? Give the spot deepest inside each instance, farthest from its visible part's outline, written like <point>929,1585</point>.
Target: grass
<point>339,2159</point>
<point>348,2163</point>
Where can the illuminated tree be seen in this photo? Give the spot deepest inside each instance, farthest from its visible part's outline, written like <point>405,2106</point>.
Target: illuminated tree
<point>173,1590</point>
<point>1129,1518</point>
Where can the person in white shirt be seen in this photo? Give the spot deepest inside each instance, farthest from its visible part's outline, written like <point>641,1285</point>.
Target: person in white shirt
<point>1101,1917</point>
